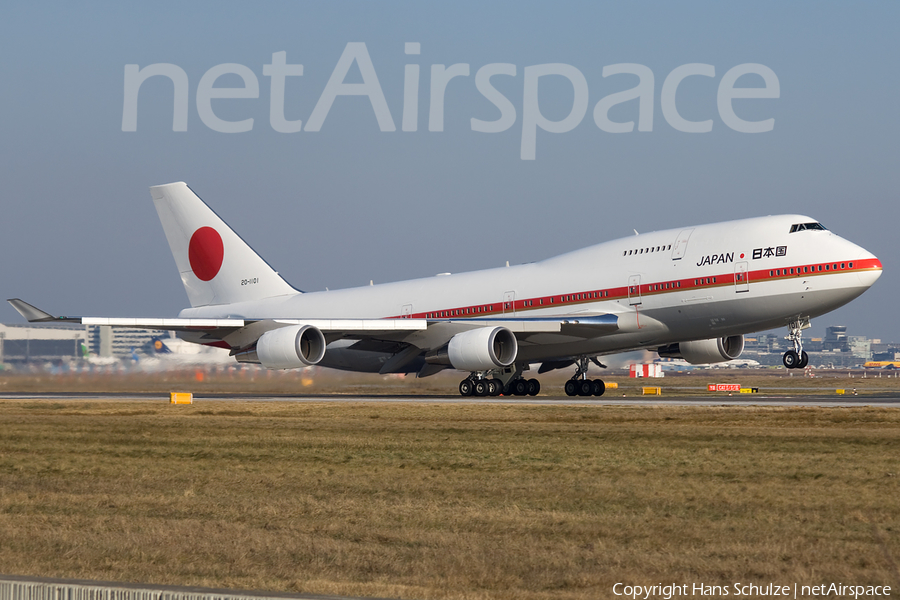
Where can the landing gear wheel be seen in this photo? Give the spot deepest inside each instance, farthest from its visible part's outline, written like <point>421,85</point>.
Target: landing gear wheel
<point>796,358</point>
<point>519,387</point>
<point>598,387</point>
<point>791,359</point>
<point>585,387</point>
<point>494,387</point>
<point>480,388</point>
<point>571,388</point>
<point>465,387</point>
<point>534,387</point>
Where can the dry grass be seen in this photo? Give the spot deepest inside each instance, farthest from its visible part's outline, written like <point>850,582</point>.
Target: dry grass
<point>447,501</point>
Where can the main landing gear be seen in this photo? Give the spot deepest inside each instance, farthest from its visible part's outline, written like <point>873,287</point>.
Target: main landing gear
<point>508,382</point>
<point>493,387</point>
<point>480,387</point>
<point>796,358</point>
<point>580,385</point>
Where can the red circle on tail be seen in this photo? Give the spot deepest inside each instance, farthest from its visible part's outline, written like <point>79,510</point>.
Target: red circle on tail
<point>206,252</point>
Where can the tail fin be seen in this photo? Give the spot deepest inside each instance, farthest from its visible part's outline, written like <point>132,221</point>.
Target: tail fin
<point>216,265</point>
<point>157,346</point>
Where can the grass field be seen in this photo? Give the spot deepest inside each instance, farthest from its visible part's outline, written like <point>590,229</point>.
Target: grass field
<point>448,501</point>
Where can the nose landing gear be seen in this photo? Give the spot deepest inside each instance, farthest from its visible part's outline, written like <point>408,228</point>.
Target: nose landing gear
<point>796,358</point>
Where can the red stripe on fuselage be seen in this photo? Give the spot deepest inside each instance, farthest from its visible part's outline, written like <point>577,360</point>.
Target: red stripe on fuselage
<point>648,289</point>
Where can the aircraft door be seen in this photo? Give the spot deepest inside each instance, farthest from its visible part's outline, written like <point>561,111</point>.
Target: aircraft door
<point>509,303</point>
<point>681,244</point>
<point>741,277</point>
<point>634,290</point>
<point>406,311</point>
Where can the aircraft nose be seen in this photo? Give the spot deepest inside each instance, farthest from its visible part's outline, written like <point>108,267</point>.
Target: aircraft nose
<point>871,269</point>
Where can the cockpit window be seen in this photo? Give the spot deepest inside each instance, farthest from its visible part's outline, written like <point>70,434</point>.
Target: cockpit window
<point>807,226</point>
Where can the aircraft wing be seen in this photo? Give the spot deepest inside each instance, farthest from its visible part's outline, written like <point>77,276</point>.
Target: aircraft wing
<point>412,336</point>
<point>576,325</point>
<point>236,332</point>
<point>35,315</point>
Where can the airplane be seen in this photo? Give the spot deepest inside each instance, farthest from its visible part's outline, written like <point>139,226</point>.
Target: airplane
<point>739,363</point>
<point>173,353</point>
<point>674,364</point>
<point>691,292</point>
<point>882,364</point>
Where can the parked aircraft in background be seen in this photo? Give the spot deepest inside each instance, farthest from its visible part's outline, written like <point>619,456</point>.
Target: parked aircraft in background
<point>674,364</point>
<point>882,364</point>
<point>173,353</point>
<point>690,293</point>
<point>740,363</point>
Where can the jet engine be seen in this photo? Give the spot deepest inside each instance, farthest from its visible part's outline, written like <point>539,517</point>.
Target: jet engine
<point>703,352</point>
<point>478,350</point>
<point>287,348</point>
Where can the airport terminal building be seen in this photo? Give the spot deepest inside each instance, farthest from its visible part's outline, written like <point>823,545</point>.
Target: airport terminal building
<point>21,344</point>
<point>61,342</point>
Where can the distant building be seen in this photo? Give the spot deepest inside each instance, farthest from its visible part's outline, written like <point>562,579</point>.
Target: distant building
<point>106,341</point>
<point>836,338</point>
<point>860,347</point>
<point>35,342</point>
<point>41,343</point>
<point>891,354</point>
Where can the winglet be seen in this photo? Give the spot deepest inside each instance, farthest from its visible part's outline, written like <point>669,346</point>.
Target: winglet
<point>31,313</point>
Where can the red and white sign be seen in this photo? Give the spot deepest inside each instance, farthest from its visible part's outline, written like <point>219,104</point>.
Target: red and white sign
<point>724,387</point>
<point>651,370</point>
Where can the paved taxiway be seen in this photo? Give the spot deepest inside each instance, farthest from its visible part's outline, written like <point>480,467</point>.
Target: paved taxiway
<point>830,401</point>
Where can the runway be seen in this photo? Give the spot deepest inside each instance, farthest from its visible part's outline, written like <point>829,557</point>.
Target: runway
<point>808,401</point>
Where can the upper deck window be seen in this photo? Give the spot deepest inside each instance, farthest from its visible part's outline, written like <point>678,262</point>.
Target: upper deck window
<point>807,226</point>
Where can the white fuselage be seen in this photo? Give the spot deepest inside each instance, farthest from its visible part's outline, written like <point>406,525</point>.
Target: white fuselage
<point>665,287</point>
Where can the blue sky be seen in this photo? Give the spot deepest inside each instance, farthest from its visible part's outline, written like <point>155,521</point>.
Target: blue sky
<point>349,203</point>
